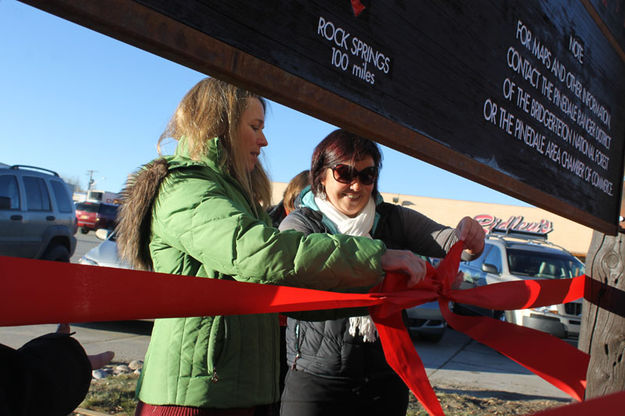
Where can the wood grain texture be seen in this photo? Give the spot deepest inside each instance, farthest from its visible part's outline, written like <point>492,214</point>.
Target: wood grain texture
<point>602,332</point>
<point>612,16</point>
<point>445,61</point>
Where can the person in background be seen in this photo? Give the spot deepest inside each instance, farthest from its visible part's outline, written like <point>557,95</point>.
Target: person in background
<point>201,212</point>
<point>337,366</point>
<point>49,375</point>
<point>291,192</point>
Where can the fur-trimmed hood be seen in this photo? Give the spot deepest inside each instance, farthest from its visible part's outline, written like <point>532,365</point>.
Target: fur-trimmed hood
<point>140,193</point>
<point>135,214</point>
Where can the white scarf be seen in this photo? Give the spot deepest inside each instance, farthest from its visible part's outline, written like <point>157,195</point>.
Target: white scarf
<point>360,225</point>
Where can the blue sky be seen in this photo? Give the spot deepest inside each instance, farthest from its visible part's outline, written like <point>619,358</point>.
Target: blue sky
<point>73,100</point>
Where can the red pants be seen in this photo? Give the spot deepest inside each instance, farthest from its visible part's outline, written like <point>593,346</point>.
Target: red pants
<point>144,409</point>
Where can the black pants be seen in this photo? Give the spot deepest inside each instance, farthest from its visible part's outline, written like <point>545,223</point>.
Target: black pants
<point>307,395</point>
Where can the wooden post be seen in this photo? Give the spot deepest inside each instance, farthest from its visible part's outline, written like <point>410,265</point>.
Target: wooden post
<point>602,333</point>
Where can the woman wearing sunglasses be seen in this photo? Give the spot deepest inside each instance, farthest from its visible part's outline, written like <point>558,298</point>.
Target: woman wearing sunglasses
<point>337,366</point>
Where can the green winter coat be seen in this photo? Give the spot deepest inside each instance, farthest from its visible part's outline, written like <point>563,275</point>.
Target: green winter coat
<point>204,225</point>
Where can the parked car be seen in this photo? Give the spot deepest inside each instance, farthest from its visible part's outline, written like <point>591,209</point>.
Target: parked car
<point>426,322</point>
<point>518,256</point>
<point>37,217</point>
<point>93,216</point>
<point>104,254</point>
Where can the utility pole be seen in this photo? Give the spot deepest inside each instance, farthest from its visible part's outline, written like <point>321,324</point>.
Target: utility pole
<point>90,184</point>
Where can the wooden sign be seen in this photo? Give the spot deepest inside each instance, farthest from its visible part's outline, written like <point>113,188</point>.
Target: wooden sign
<point>526,97</point>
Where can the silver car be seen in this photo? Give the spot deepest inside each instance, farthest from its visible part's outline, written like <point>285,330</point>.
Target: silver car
<point>426,322</point>
<point>517,257</point>
<point>105,254</point>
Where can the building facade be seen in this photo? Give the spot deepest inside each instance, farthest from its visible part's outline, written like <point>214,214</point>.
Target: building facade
<point>560,231</point>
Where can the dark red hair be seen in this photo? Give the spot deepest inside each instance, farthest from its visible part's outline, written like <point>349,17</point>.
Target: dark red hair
<point>341,146</point>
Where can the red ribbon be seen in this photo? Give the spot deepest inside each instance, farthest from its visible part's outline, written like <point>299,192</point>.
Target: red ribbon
<point>606,405</point>
<point>36,292</point>
<point>554,360</point>
<point>40,292</point>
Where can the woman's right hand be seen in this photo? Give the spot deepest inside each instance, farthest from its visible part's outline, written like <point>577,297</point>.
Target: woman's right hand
<point>406,262</point>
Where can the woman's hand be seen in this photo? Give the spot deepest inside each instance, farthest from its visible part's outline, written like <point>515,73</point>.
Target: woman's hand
<point>472,233</point>
<point>96,360</point>
<point>100,360</point>
<point>406,262</point>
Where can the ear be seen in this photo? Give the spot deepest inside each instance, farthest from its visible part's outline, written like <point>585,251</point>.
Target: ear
<point>324,177</point>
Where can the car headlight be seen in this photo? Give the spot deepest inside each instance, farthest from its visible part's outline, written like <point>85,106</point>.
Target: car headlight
<point>84,260</point>
<point>547,309</point>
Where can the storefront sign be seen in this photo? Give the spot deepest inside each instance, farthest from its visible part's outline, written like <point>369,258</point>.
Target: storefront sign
<point>490,223</point>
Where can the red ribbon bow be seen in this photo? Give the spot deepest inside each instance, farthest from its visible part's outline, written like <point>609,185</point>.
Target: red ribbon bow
<point>551,358</point>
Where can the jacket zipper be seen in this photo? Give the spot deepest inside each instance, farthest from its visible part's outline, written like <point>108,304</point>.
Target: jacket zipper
<point>297,343</point>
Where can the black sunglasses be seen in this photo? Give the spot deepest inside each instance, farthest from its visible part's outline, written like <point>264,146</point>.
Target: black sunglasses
<point>346,174</point>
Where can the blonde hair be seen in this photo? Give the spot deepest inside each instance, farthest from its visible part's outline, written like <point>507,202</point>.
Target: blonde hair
<point>213,108</point>
<point>294,188</point>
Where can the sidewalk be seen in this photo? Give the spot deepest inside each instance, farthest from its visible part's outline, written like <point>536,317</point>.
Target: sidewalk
<point>457,363</point>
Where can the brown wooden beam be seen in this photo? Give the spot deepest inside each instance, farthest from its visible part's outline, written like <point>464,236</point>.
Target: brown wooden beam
<point>604,29</point>
<point>142,27</point>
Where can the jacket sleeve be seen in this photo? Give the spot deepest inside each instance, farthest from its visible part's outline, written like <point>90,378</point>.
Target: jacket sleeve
<point>425,236</point>
<point>200,219</point>
<point>49,375</point>
<point>294,221</point>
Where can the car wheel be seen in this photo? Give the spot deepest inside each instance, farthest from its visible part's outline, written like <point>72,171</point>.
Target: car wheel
<point>56,252</point>
<point>84,230</point>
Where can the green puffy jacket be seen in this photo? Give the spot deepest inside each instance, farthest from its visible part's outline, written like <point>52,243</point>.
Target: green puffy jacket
<point>203,225</point>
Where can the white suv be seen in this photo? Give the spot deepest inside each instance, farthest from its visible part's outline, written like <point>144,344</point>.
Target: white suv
<point>517,256</point>
<point>37,215</point>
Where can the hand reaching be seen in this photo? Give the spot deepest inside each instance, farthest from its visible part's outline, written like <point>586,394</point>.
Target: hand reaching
<point>473,235</point>
<point>96,360</point>
<point>406,262</point>
<point>100,360</point>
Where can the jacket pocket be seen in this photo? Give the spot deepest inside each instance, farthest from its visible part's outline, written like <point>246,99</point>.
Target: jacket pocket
<point>217,346</point>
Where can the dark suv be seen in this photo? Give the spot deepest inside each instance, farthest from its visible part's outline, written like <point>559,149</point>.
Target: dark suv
<point>37,218</point>
<point>95,215</point>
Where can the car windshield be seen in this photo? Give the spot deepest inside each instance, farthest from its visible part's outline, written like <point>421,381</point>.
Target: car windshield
<point>87,207</point>
<point>544,265</point>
